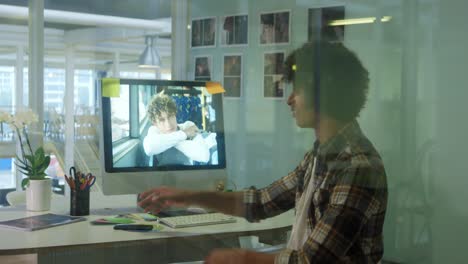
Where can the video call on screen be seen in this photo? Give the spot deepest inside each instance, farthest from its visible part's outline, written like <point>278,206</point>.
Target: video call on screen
<point>187,138</point>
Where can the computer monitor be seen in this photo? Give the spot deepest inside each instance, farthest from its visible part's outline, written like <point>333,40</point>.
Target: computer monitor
<point>160,132</point>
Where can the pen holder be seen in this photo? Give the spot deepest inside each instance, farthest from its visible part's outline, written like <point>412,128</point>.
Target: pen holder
<point>79,202</point>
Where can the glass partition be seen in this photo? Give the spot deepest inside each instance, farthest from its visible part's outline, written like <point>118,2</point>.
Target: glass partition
<point>414,114</point>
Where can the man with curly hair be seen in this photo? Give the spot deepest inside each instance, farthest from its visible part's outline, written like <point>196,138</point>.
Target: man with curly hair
<point>339,189</point>
<point>172,143</point>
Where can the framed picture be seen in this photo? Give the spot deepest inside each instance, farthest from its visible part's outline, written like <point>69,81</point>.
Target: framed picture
<point>234,30</point>
<point>273,86</point>
<point>320,24</point>
<point>232,75</point>
<point>203,32</point>
<point>275,28</point>
<point>202,68</point>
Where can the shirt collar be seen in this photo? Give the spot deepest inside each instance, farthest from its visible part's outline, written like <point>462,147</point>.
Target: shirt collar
<point>337,143</point>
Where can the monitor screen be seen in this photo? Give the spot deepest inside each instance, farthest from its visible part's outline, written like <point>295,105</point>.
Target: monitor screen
<point>158,126</point>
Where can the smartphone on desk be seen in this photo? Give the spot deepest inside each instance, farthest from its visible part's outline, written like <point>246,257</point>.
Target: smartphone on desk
<point>133,227</point>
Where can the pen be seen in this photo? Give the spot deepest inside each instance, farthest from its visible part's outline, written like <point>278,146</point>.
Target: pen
<point>70,182</point>
<point>133,227</point>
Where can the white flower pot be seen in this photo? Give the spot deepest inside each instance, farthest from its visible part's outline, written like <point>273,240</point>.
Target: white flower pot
<point>38,195</point>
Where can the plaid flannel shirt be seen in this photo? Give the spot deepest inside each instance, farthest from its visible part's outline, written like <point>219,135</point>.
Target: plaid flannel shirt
<point>349,201</point>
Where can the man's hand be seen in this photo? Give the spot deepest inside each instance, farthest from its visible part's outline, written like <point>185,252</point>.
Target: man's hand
<point>156,199</point>
<point>191,131</point>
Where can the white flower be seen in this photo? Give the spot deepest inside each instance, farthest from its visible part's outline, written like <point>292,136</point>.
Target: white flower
<point>23,118</point>
<point>20,120</point>
<point>5,117</point>
<point>17,123</point>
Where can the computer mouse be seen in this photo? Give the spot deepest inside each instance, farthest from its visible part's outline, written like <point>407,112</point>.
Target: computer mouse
<point>197,210</point>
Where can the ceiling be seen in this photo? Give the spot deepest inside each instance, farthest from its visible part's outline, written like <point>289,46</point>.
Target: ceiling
<point>142,9</point>
<point>93,43</point>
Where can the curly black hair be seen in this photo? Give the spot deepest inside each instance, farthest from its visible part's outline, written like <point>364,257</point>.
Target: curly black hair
<point>161,103</point>
<point>343,83</point>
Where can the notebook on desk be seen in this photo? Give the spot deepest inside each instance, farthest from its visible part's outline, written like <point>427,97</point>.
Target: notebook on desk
<point>40,221</point>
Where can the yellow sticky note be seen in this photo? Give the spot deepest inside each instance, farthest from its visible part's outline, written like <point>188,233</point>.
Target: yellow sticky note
<point>214,87</point>
<point>110,87</point>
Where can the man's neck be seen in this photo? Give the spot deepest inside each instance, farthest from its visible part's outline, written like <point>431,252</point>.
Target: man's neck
<point>327,128</point>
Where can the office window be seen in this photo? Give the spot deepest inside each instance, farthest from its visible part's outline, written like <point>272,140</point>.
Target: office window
<point>85,92</point>
<point>25,86</point>
<point>120,115</point>
<point>137,75</point>
<point>54,88</point>
<point>7,81</point>
<point>143,101</point>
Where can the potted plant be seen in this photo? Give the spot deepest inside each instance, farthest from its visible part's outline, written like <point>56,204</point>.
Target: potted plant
<point>30,163</point>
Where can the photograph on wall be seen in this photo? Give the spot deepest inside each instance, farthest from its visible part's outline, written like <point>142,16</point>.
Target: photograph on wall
<point>273,87</point>
<point>203,68</point>
<point>232,75</point>
<point>274,28</point>
<point>203,32</point>
<point>234,30</point>
<point>326,22</point>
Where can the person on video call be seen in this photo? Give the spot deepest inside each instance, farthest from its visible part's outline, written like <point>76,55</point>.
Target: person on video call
<point>172,143</point>
<point>339,189</point>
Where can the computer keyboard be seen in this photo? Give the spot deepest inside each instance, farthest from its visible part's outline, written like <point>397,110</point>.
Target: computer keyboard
<point>197,220</point>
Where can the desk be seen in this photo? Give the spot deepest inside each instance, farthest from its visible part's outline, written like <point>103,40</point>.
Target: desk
<point>85,243</point>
